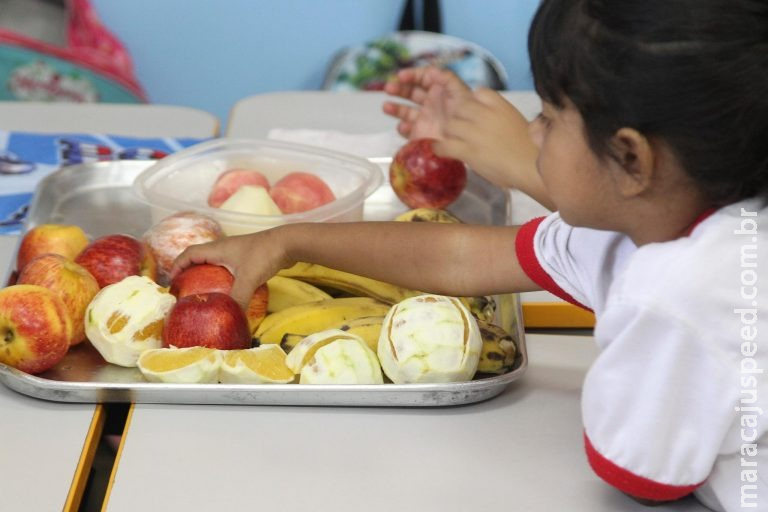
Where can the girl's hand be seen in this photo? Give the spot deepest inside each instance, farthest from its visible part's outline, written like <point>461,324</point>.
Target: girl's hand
<point>488,133</point>
<point>434,92</point>
<point>480,127</point>
<point>252,259</point>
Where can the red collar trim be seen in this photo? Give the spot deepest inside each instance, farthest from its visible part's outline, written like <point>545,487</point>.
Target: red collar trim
<point>698,220</point>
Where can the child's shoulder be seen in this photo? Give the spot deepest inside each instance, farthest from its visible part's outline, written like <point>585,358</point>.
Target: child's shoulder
<point>705,276</point>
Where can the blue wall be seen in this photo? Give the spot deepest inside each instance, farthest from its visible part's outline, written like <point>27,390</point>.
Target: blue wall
<point>208,54</point>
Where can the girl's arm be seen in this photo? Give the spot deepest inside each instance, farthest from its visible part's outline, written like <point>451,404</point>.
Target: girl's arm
<point>448,259</point>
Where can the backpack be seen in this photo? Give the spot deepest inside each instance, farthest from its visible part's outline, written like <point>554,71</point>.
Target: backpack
<point>368,66</point>
<point>92,66</point>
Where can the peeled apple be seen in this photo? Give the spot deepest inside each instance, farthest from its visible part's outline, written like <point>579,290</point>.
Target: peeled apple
<point>429,338</point>
<point>126,318</point>
<point>251,199</point>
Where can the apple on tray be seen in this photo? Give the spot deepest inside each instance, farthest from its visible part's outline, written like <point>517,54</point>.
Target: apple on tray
<point>112,258</point>
<point>208,278</point>
<point>421,179</point>
<point>212,320</point>
<point>34,328</point>
<point>65,239</point>
<point>202,278</point>
<point>230,181</point>
<point>71,282</point>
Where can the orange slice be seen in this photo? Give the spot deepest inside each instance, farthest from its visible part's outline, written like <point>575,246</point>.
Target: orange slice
<point>259,365</point>
<point>191,365</point>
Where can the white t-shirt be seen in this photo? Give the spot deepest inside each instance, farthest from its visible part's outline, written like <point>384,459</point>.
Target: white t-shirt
<point>674,403</point>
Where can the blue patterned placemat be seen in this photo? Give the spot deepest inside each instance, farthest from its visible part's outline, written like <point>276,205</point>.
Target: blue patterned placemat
<point>26,158</point>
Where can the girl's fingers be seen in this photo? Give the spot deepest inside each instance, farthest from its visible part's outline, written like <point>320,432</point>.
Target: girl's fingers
<point>405,128</point>
<point>242,292</point>
<point>452,148</point>
<point>195,255</point>
<point>398,110</point>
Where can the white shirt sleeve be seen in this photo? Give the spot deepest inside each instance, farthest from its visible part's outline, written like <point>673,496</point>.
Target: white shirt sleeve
<point>656,403</point>
<point>576,264</point>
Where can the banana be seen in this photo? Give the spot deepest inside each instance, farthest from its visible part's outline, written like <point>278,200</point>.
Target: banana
<point>499,349</point>
<point>315,317</point>
<point>353,284</point>
<point>367,327</point>
<point>285,292</point>
<point>428,215</point>
<point>290,340</point>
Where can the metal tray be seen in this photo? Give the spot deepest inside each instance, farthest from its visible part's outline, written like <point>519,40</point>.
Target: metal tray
<point>98,197</point>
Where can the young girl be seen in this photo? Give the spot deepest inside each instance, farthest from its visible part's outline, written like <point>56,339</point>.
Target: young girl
<point>652,148</point>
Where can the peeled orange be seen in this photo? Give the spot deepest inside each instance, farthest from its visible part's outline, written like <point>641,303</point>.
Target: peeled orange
<point>306,348</point>
<point>259,365</point>
<point>344,361</point>
<point>192,365</point>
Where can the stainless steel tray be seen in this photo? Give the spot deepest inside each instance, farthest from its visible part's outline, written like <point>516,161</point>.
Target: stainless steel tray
<point>98,197</point>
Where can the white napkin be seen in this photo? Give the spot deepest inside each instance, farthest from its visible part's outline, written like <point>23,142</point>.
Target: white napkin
<point>366,145</point>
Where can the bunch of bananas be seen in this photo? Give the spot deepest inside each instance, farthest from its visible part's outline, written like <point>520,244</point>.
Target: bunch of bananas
<point>300,304</point>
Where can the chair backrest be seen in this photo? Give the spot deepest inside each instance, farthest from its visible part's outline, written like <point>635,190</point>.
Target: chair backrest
<point>368,66</point>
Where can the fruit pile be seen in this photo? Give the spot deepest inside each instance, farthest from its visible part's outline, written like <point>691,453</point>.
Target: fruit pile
<point>309,323</point>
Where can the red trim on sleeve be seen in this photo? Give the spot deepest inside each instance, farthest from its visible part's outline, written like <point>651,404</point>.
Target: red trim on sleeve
<point>630,483</point>
<point>526,255</point>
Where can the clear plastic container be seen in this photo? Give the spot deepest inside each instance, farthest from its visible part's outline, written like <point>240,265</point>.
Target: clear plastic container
<point>183,181</point>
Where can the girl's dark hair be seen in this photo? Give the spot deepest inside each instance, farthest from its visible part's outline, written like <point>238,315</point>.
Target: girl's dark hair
<point>693,73</point>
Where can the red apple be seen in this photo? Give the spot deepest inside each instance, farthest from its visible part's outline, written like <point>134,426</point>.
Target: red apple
<point>229,181</point>
<point>169,237</point>
<point>207,278</point>
<point>112,258</point>
<point>300,191</point>
<point>203,278</point>
<point>65,239</point>
<point>212,320</point>
<point>71,282</point>
<point>421,179</point>
<point>34,328</point>
<point>257,307</point>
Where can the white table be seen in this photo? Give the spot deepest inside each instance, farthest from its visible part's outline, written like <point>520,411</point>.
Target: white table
<point>46,448</point>
<point>521,451</point>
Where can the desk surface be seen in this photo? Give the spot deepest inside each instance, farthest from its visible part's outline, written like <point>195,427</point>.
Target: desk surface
<point>519,451</point>
<point>44,444</point>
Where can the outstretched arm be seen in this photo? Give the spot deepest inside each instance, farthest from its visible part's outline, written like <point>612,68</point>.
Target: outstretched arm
<point>459,260</point>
